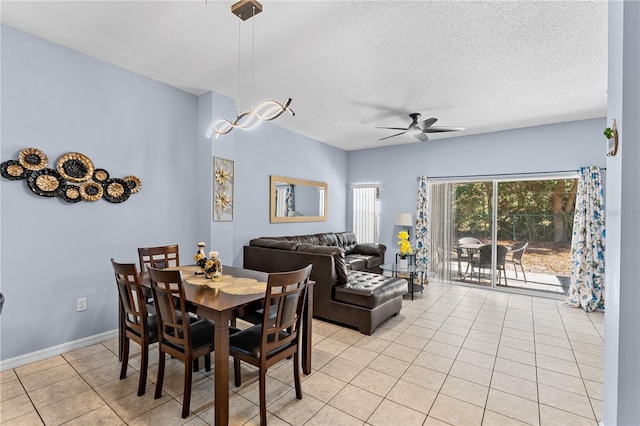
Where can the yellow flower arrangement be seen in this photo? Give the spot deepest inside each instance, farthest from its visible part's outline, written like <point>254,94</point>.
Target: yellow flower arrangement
<point>405,245</point>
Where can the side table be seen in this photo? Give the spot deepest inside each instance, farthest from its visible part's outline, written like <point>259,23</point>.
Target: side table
<point>412,270</point>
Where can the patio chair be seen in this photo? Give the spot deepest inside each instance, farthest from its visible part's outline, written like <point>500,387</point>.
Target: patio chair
<point>483,261</point>
<point>517,251</point>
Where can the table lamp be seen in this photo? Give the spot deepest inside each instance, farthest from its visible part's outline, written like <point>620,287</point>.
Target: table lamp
<point>405,220</point>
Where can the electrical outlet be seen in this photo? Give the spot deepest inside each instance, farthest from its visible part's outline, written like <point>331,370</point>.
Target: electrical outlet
<point>81,304</point>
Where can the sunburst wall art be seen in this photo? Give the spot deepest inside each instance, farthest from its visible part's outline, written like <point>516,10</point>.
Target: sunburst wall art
<point>74,179</point>
<point>223,183</point>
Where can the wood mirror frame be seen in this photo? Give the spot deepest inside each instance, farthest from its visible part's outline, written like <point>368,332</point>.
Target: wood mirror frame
<point>305,210</point>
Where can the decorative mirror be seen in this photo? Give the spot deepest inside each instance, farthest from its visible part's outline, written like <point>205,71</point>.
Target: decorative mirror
<point>297,200</point>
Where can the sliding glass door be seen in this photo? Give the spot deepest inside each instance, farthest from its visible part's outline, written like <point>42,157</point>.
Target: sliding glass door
<point>462,215</point>
<point>512,233</point>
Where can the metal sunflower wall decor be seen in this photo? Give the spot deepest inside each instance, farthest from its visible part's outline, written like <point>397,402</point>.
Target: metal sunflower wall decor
<point>74,179</point>
<point>223,183</point>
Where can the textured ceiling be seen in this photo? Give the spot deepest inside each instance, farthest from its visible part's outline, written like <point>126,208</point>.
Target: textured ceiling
<point>353,65</point>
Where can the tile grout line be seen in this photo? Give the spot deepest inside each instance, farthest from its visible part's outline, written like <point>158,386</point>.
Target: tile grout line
<point>593,411</point>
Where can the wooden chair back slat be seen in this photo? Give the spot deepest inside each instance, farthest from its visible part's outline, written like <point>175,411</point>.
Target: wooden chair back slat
<point>170,302</point>
<point>286,291</point>
<point>160,257</point>
<point>131,295</point>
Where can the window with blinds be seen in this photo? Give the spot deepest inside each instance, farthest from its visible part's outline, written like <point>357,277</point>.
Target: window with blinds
<point>366,213</point>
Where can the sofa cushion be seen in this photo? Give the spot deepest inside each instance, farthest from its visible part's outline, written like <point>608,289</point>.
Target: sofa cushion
<point>356,262</point>
<point>338,258</point>
<point>369,248</point>
<point>347,240</point>
<point>308,239</point>
<point>369,290</point>
<point>274,243</point>
<point>373,261</point>
<point>328,239</point>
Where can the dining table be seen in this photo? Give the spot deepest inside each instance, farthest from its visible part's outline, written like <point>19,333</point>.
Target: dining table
<point>223,304</point>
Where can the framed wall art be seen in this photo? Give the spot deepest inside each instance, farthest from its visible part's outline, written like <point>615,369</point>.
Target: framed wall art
<point>223,183</point>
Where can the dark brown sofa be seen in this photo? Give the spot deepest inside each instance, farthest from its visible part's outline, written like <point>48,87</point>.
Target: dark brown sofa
<point>346,290</point>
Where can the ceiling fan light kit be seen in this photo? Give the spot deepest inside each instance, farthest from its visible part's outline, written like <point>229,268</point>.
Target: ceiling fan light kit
<point>419,129</point>
<point>266,110</point>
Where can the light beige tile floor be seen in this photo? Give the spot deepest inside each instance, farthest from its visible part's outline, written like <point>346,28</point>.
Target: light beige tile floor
<point>454,355</point>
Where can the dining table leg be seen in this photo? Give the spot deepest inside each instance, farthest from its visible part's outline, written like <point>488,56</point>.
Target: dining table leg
<point>221,368</point>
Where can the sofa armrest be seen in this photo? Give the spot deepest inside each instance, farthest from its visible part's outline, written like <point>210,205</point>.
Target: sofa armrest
<point>338,258</point>
<point>371,249</point>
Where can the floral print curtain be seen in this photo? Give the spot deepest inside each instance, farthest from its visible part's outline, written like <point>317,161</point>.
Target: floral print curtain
<point>291,203</point>
<point>588,243</point>
<point>423,233</point>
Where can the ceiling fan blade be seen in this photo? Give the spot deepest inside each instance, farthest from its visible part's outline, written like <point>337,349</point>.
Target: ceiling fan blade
<point>421,136</point>
<point>442,129</point>
<point>397,134</point>
<point>424,124</point>
<point>393,128</point>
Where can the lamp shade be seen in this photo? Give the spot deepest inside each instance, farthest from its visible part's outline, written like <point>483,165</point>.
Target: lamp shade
<point>404,219</point>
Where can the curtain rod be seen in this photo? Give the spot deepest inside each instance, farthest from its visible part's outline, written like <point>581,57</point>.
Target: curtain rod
<point>557,172</point>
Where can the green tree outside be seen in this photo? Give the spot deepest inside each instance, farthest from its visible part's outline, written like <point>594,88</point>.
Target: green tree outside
<point>540,210</point>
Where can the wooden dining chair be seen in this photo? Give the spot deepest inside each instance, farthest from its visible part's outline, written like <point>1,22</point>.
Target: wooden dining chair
<point>278,336</point>
<point>158,257</point>
<point>183,340</point>
<point>135,323</point>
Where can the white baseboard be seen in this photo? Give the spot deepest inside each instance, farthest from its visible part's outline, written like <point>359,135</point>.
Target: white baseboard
<point>21,360</point>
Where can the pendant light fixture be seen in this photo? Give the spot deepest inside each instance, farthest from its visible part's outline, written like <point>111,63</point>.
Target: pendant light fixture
<point>264,111</point>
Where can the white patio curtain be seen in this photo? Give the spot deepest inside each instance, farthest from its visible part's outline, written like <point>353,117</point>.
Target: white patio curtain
<point>441,230</point>
<point>588,243</point>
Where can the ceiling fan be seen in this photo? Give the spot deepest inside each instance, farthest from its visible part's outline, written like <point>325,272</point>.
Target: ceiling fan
<point>419,129</point>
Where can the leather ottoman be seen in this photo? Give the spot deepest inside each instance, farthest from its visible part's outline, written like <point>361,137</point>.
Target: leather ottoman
<point>368,299</point>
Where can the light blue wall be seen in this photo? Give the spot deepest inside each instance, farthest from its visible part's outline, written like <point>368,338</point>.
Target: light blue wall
<point>556,147</point>
<point>258,154</point>
<point>621,388</point>
<point>53,253</point>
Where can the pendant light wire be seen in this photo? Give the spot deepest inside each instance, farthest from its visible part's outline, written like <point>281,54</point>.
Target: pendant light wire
<point>239,78</point>
<point>253,50</point>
